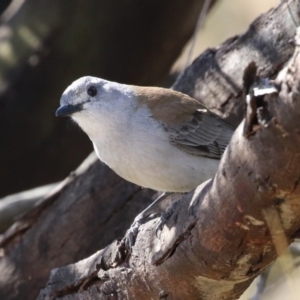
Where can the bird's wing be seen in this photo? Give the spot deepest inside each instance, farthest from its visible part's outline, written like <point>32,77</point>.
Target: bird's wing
<point>191,127</point>
<point>205,134</point>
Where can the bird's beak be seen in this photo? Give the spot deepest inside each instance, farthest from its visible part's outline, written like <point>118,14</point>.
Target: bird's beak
<point>68,109</point>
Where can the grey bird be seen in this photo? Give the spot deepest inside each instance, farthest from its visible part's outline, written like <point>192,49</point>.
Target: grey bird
<point>154,137</point>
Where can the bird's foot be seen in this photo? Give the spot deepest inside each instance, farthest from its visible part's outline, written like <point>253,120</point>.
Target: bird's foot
<point>132,232</point>
<point>163,220</point>
<point>128,241</point>
<point>160,225</point>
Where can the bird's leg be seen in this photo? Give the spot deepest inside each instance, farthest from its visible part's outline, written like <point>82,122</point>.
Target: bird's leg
<point>153,208</point>
<point>163,219</point>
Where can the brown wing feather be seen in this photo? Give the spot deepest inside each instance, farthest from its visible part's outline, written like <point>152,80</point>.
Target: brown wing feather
<point>202,133</point>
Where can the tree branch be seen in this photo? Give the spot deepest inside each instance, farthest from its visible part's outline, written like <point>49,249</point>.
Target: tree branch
<point>14,205</point>
<point>86,211</point>
<point>218,238</point>
<point>215,78</point>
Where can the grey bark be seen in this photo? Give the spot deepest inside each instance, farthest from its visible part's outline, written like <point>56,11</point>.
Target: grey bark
<point>14,205</point>
<point>215,78</point>
<point>220,236</point>
<point>195,243</point>
<point>80,216</point>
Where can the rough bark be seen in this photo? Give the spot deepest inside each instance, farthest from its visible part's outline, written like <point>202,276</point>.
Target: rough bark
<point>82,215</point>
<point>46,46</point>
<point>45,238</point>
<point>215,78</point>
<point>14,205</point>
<point>220,236</point>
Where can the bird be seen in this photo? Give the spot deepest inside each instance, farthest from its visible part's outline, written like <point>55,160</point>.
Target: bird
<point>157,138</point>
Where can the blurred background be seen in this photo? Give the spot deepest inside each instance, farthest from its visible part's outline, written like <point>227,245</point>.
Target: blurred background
<point>45,45</point>
<point>226,19</point>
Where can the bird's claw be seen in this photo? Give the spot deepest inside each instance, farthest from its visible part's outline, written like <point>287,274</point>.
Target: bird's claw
<point>127,242</point>
<point>160,225</point>
<point>131,234</point>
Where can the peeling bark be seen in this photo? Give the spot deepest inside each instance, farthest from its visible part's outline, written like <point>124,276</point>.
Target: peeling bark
<point>218,238</point>
<point>80,216</point>
<point>215,240</point>
<point>215,78</point>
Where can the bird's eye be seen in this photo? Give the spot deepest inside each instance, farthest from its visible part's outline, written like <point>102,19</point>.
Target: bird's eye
<point>92,91</point>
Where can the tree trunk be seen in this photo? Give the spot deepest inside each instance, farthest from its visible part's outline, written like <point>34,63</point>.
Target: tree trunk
<point>217,238</point>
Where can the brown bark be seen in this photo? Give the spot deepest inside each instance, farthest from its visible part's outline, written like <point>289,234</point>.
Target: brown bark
<point>220,236</point>
<point>82,215</point>
<point>14,205</point>
<point>67,227</point>
<point>215,78</point>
